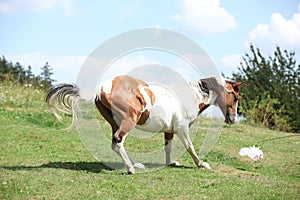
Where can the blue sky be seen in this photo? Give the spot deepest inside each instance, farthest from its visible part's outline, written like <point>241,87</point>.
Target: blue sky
<point>65,32</point>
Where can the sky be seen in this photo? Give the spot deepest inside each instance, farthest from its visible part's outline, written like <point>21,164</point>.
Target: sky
<point>65,32</point>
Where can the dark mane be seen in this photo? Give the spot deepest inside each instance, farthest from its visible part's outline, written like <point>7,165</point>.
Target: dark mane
<point>212,83</point>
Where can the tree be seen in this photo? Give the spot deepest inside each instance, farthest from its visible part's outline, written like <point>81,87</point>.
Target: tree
<point>28,74</point>
<point>46,75</point>
<point>4,69</point>
<point>271,96</point>
<point>4,65</point>
<point>19,72</point>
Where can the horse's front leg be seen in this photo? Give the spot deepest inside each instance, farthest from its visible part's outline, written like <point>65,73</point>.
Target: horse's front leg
<point>183,135</point>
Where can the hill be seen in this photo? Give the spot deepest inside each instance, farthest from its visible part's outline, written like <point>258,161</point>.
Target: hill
<point>40,160</point>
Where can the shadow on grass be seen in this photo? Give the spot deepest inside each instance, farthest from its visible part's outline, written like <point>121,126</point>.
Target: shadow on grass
<point>98,167</point>
<point>219,157</point>
<point>93,167</point>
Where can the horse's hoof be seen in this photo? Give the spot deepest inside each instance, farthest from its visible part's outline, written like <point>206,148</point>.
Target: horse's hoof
<point>205,165</point>
<point>131,170</point>
<point>139,165</point>
<point>174,164</point>
<point>117,139</point>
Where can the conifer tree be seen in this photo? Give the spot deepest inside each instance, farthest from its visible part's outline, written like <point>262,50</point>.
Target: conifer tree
<point>46,75</point>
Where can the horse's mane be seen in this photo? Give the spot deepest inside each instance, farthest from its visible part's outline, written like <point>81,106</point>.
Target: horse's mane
<point>216,84</point>
<point>204,85</point>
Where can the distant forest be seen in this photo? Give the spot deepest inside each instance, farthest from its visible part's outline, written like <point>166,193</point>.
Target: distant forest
<point>15,72</point>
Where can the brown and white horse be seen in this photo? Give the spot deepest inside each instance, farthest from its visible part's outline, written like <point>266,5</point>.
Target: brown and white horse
<point>127,103</point>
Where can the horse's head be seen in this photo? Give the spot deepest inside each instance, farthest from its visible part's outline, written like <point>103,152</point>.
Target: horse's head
<point>228,102</point>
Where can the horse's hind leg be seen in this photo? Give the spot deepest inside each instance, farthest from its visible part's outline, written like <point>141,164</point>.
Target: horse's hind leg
<point>119,134</point>
<point>113,111</point>
<point>168,148</point>
<point>120,150</point>
<point>130,164</point>
<point>118,146</point>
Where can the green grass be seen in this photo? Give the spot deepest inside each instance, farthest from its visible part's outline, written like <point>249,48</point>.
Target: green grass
<point>39,160</point>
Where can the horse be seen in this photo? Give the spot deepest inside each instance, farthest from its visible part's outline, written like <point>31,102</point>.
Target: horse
<point>126,102</point>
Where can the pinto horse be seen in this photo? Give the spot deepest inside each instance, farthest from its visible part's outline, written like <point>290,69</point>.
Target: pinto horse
<point>126,103</point>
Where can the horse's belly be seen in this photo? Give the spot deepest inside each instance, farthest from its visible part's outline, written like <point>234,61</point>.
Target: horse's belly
<point>163,111</point>
<point>160,120</point>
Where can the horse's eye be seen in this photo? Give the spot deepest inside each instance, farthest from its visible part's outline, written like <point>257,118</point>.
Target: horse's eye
<point>235,98</point>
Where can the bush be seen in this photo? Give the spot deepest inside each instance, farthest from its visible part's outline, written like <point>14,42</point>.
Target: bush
<point>264,111</point>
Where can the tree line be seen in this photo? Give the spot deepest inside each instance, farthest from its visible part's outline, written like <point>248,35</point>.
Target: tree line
<point>15,72</point>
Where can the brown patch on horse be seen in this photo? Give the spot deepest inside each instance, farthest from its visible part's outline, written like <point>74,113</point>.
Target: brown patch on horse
<point>233,86</point>
<point>168,137</point>
<point>125,103</point>
<point>143,118</point>
<point>202,107</point>
<point>233,91</point>
<point>151,95</point>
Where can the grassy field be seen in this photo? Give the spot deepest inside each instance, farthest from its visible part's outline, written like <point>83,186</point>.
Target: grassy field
<point>39,160</point>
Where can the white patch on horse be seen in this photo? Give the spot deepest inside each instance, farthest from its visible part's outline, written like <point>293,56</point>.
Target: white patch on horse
<point>105,87</point>
<point>197,91</point>
<point>170,112</point>
<point>203,97</point>
<point>161,113</point>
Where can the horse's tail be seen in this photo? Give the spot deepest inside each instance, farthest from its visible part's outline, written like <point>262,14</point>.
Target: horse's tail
<point>63,98</point>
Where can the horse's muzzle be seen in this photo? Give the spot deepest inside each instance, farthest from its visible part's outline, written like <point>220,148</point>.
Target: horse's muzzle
<point>230,119</point>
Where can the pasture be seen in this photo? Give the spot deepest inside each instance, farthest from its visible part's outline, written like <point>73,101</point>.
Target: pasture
<point>39,160</point>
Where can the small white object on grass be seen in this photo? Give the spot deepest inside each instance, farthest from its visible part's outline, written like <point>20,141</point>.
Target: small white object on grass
<point>252,152</point>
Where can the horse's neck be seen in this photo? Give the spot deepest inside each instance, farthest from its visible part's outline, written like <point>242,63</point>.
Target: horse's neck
<point>206,97</point>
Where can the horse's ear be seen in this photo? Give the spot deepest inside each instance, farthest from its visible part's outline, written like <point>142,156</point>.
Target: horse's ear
<point>236,86</point>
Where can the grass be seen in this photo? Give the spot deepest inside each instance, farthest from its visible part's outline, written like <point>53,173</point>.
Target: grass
<point>39,160</point>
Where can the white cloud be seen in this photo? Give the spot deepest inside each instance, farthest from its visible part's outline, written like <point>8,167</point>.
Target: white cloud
<point>65,68</point>
<point>279,31</point>
<point>232,60</point>
<point>25,6</point>
<point>205,16</point>
<point>5,8</point>
<point>149,65</point>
